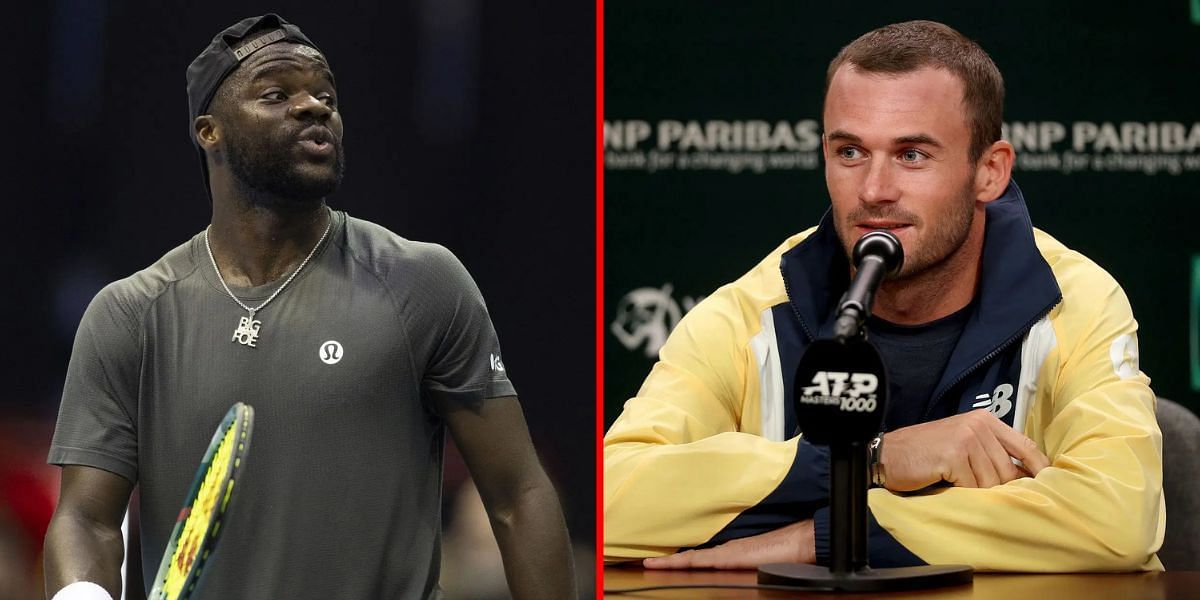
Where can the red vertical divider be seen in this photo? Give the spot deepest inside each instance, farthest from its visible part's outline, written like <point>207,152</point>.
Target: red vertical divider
<point>599,298</point>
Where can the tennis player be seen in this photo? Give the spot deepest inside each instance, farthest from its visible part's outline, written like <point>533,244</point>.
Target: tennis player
<point>357,348</point>
<point>1001,343</point>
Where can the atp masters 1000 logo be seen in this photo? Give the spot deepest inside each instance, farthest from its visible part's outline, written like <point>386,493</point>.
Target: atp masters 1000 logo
<point>851,392</point>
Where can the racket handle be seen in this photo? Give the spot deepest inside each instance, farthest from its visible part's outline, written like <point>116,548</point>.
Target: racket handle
<point>82,590</point>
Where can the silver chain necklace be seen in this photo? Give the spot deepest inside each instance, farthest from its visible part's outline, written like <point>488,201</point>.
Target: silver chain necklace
<point>248,328</point>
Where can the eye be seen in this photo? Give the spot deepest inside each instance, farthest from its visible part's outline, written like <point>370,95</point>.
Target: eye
<point>274,95</point>
<point>849,153</point>
<point>913,155</point>
<point>328,99</point>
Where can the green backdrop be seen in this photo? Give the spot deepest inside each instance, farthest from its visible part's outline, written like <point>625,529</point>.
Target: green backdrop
<point>711,122</point>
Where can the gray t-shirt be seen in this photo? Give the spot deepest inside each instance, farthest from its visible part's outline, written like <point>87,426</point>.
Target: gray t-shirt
<point>340,496</point>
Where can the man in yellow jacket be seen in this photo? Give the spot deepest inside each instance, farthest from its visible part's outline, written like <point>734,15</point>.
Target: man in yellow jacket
<point>1021,433</point>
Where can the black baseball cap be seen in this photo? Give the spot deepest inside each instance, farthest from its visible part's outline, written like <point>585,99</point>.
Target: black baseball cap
<point>227,50</point>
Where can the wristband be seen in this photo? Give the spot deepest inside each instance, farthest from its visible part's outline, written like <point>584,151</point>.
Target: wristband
<point>82,590</point>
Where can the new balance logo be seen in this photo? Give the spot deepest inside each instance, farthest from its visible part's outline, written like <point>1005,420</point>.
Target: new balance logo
<point>999,402</point>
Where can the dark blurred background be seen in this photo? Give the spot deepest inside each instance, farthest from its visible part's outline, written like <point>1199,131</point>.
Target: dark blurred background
<point>467,123</point>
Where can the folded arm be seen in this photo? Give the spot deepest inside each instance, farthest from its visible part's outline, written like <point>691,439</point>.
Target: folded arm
<point>1098,506</point>
<point>685,458</point>
<point>685,468</point>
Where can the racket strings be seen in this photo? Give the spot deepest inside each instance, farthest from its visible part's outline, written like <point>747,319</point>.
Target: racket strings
<point>200,515</point>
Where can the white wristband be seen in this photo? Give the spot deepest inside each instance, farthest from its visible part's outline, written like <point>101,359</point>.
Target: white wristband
<point>82,590</point>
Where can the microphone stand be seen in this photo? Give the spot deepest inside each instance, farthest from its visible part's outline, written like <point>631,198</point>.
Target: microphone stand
<point>847,508</point>
<point>849,568</point>
<point>846,416</point>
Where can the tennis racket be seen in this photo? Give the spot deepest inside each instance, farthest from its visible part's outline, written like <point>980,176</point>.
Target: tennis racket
<point>207,503</point>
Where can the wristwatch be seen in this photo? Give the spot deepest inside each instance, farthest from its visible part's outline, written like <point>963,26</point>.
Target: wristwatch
<point>878,478</point>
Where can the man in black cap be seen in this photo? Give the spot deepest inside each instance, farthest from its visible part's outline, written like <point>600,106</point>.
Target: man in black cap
<point>356,347</point>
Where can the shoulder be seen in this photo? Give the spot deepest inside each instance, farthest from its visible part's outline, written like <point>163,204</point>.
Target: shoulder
<point>126,300</point>
<point>421,277</point>
<point>392,256</point>
<point>1084,284</point>
<point>736,308</point>
<point>765,279</point>
<point>760,288</point>
<point>1092,300</point>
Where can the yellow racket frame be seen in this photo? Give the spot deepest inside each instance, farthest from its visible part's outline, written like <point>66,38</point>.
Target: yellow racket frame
<point>199,522</point>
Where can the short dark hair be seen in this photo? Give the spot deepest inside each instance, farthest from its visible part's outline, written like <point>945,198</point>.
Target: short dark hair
<point>912,45</point>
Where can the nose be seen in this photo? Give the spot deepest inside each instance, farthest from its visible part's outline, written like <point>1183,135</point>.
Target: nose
<point>310,108</point>
<point>879,185</point>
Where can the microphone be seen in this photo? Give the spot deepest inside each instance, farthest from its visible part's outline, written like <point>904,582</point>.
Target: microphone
<point>840,395</point>
<point>876,255</point>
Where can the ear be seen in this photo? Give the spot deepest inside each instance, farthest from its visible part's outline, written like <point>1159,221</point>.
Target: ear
<point>207,132</point>
<point>993,171</point>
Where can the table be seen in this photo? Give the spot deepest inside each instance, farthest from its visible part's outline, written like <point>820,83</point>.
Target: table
<point>987,586</point>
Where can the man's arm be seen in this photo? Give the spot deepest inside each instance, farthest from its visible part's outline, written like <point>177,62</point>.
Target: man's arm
<point>521,502</point>
<point>682,463</point>
<point>973,449</point>
<point>83,542</point>
<point>1098,506</point>
<point>685,464</point>
<point>789,544</point>
<point>1095,506</point>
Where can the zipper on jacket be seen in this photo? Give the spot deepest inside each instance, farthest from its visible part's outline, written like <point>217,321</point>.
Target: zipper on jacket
<point>1022,332</point>
<point>787,289</point>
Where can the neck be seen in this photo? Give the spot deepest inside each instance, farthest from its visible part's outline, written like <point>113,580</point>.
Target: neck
<point>938,291</point>
<point>255,242</point>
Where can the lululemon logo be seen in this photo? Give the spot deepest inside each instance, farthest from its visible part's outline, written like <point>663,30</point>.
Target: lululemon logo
<point>331,352</point>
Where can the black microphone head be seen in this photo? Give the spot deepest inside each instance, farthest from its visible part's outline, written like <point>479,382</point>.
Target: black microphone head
<point>883,244</point>
<point>841,391</point>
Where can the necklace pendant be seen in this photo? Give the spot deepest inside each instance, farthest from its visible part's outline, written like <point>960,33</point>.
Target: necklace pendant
<point>247,330</point>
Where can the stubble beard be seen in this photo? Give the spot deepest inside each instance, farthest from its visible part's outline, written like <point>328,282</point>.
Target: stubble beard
<point>270,177</point>
<point>945,236</point>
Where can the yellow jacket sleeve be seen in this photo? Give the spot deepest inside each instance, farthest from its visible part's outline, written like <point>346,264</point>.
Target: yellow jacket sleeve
<point>1099,506</point>
<point>685,458</point>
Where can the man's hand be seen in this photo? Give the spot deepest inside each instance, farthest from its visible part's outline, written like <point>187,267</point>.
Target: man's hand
<point>792,544</point>
<point>972,449</point>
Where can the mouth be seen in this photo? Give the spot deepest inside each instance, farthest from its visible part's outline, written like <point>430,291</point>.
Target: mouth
<point>892,226</point>
<point>317,148</point>
<point>317,141</point>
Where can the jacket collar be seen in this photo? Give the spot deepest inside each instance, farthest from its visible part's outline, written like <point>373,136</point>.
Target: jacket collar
<point>1016,285</point>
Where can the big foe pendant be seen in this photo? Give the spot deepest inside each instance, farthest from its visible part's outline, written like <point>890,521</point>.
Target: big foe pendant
<point>247,330</point>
